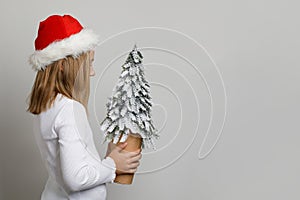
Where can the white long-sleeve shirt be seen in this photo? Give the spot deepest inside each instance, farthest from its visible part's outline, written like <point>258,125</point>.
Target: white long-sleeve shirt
<point>66,143</point>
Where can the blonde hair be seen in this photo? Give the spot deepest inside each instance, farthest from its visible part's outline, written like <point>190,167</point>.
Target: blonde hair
<point>68,76</point>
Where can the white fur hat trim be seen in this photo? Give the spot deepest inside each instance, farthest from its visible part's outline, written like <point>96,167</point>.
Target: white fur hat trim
<point>74,45</point>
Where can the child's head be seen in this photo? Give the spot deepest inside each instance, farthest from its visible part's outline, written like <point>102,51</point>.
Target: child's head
<point>63,60</point>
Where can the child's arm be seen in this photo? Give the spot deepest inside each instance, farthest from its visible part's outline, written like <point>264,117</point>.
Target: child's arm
<point>80,169</point>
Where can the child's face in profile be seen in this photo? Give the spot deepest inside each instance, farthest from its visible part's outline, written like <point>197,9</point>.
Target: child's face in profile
<point>92,71</point>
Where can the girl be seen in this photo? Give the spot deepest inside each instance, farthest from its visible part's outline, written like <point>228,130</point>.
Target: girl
<point>63,59</point>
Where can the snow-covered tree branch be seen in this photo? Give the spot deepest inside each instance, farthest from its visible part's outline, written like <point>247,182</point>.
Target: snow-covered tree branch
<point>129,107</point>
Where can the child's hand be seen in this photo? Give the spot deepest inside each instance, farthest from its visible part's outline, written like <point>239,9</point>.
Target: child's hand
<point>110,147</point>
<point>126,162</point>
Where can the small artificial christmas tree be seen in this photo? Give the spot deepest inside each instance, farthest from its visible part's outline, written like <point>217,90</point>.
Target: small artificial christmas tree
<point>129,108</point>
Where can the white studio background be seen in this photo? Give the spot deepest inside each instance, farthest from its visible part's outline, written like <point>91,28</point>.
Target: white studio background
<point>255,45</point>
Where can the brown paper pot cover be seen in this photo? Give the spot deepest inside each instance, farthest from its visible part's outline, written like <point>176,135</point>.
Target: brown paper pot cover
<point>134,143</point>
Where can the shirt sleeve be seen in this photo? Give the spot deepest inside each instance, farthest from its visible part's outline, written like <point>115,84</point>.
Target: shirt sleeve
<point>80,169</point>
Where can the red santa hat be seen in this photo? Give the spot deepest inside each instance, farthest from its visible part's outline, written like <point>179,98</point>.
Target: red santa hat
<point>58,37</point>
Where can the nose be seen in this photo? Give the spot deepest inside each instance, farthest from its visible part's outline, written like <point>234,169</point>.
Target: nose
<point>92,71</point>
